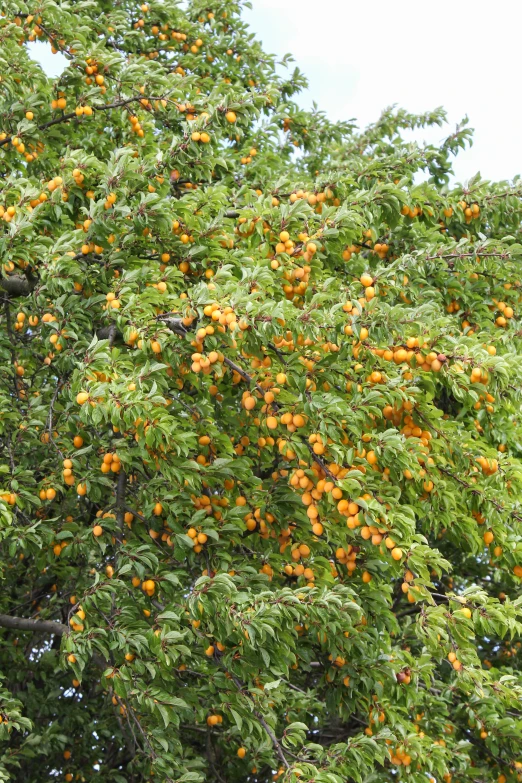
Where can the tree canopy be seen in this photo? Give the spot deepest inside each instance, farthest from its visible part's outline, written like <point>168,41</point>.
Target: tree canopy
<point>260,420</point>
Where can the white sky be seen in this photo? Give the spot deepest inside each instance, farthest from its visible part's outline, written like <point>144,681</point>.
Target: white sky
<point>360,57</point>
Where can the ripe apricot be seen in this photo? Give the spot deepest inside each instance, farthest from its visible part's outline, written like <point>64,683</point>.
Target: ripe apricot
<point>149,586</point>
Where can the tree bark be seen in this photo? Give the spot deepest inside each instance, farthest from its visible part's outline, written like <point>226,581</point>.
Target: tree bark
<point>35,626</point>
<point>17,285</point>
<point>174,324</point>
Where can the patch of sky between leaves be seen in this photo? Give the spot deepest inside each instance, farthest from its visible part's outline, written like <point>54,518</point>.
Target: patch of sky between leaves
<point>52,64</point>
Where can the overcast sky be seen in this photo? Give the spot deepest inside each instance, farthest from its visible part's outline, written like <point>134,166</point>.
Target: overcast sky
<point>362,56</point>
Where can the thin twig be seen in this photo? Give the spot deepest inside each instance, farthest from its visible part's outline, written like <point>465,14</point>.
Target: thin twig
<point>96,107</point>
<point>246,377</point>
<point>500,508</point>
<point>275,742</point>
<point>59,386</point>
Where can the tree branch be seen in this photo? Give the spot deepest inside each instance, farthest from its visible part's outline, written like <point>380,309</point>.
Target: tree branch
<point>18,285</point>
<point>500,508</point>
<point>35,626</point>
<point>114,336</point>
<point>246,377</point>
<point>59,386</point>
<point>96,107</point>
<point>110,333</point>
<point>275,742</point>
<point>121,487</point>
<point>322,464</point>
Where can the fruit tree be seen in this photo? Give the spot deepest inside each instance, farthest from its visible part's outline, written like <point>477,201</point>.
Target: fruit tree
<point>260,421</point>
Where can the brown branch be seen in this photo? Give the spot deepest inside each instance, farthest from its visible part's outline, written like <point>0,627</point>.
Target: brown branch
<point>500,508</point>
<point>121,487</point>
<point>114,336</point>
<point>96,107</point>
<point>467,255</point>
<point>59,386</point>
<point>246,377</point>
<point>174,324</point>
<point>18,285</point>
<point>16,383</point>
<point>275,742</point>
<point>35,626</point>
<point>322,464</point>
<point>110,333</point>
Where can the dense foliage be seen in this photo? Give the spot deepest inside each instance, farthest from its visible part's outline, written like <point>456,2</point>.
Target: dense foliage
<point>260,431</point>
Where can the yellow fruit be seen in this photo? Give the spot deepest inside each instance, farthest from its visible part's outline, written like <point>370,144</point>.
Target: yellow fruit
<point>149,586</point>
